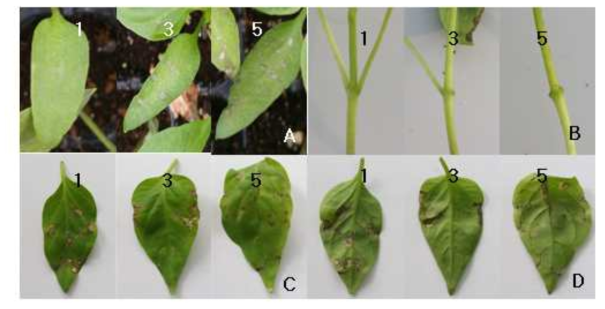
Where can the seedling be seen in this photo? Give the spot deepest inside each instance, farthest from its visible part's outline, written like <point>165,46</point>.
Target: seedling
<point>556,90</point>
<point>267,70</point>
<point>459,25</point>
<point>353,83</point>
<point>172,76</point>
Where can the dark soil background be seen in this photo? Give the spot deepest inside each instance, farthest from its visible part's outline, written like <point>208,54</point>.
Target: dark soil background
<point>120,62</point>
<point>266,134</point>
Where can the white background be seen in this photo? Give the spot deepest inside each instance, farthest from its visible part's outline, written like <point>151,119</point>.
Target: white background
<point>40,178</point>
<point>530,124</point>
<point>383,179</point>
<point>9,289</point>
<point>233,276</point>
<point>137,276</point>
<point>476,82</point>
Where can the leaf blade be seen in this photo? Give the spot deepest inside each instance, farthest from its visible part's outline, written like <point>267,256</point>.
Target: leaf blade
<point>166,223</point>
<point>225,42</point>
<point>351,222</point>
<point>468,20</point>
<point>553,219</point>
<point>277,11</point>
<point>150,23</point>
<point>173,75</point>
<point>70,231</point>
<point>451,221</point>
<point>28,140</point>
<point>190,137</point>
<point>268,69</point>
<point>257,219</point>
<point>59,68</point>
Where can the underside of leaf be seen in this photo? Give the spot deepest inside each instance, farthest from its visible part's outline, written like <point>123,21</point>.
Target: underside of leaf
<point>351,222</point>
<point>553,219</point>
<point>451,220</point>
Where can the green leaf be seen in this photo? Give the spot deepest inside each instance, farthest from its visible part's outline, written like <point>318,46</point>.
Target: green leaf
<point>268,69</point>
<point>154,24</point>
<point>351,222</point>
<point>257,218</point>
<point>451,220</point>
<point>166,219</point>
<point>59,66</point>
<point>224,39</point>
<point>281,11</point>
<point>29,141</point>
<point>303,62</point>
<point>191,137</point>
<point>70,230</point>
<point>172,76</point>
<point>468,19</point>
<point>554,220</point>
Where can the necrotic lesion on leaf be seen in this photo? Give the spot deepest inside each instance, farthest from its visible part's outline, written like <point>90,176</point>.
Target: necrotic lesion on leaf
<point>451,221</point>
<point>553,219</point>
<point>166,222</point>
<point>256,215</point>
<point>70,230</point>
<point>351,222</point>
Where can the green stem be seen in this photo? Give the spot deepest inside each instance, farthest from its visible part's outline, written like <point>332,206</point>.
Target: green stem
<point>63,170</point>
<point>352,87</point>
<point>374,51</point>
<point>448,86</point>
<point>172,166</point>
<point>352,16</point>
<point>556,90</point>
<point>333,47</point>
<point>55,12</point>
<point>198,27</point>
<point>352,104</point>
<point>98,132</point>
<point>446,168</point>
<point>424,64</point>
<point>362,164</point>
